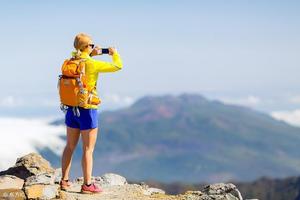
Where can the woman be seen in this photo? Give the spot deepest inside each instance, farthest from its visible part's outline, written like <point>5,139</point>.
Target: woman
<point>87,122</point>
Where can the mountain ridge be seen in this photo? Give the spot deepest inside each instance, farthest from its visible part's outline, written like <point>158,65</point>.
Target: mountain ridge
<point>196,139</point>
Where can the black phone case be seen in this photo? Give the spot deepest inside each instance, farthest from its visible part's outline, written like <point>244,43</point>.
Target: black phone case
<point>105,51</point>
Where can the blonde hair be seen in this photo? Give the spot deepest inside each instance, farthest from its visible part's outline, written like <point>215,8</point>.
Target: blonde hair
<point>80,42</point>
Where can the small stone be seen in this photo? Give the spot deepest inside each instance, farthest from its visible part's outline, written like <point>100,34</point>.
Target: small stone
<point>150,191</point>
<point>191,192</point>
<point>79,179</point>
<point>143,185</point>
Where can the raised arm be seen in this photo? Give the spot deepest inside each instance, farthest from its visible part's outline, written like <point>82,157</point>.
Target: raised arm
<point>115,65</point>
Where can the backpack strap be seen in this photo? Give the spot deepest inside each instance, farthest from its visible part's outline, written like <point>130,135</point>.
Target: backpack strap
<point>81,68</point>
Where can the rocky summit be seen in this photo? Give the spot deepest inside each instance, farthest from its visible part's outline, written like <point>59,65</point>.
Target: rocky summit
<point>32,177</point>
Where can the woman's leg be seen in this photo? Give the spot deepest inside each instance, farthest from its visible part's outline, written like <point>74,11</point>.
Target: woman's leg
<point>89,138</point>
<point>72,140</point>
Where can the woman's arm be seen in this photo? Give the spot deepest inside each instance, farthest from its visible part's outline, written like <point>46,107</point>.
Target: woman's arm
<point>115,65</point>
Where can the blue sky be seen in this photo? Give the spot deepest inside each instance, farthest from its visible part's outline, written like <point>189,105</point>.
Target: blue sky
<point>244,52</point>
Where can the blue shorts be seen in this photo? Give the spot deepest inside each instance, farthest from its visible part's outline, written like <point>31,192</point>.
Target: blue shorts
<point>87,119</point>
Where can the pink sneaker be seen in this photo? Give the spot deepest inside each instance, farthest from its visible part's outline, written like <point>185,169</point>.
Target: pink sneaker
<point>93,188</point>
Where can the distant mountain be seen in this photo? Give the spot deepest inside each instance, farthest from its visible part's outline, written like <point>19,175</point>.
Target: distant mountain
<point>267,188</point>
<point>264,188</point>
<point>188,138</point>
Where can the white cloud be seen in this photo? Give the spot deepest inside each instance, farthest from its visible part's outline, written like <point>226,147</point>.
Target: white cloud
<point>291,117</point>
<point>11,101</point>
<point>21,136</point>
<point>249,101</point>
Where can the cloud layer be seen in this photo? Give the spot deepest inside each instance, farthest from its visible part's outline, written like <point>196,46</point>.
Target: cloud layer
<point>21,136</point>
<point>250,101</point>
<point>291,117</point>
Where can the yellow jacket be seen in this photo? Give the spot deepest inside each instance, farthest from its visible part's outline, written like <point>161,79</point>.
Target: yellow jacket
<point>93,67</point>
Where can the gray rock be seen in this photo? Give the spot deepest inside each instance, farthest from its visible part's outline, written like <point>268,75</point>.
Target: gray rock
<point>12,194</point>
<point>43,179</point>
<point>57,175</point>
<point>41,191</point>
<point>50,192</point>
<point>218,191</point>
<point>28,165</point>
<point>10,182</point>
<point>143,185</point>
<point>111,179</point>
<point>226,191</point>
<point>192,192</point>
<point>195,195</point>
<point>150,191</point>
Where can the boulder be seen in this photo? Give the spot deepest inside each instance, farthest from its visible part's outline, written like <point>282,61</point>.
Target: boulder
<point>11,188</point>
<point>42,179</point>
<point>10,182</point>
<point>28,165</point>
<point>222,191</point>
<point>12,194</point>
<point>108,179</point>
<point>218,191</point>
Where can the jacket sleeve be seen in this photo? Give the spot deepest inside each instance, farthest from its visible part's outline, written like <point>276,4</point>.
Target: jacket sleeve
<point>103,66</point>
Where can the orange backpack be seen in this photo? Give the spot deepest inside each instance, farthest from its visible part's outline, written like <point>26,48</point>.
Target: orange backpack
<point>73,90</point>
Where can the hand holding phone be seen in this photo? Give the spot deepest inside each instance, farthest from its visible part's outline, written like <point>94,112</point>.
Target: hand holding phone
<point>96,51</point>
<point>99,51</point>
<point>112,50</point>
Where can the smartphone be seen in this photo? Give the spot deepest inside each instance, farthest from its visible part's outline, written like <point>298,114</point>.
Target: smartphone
<point>105,51</point>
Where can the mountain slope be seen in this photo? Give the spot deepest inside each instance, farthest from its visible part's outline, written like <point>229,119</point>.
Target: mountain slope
<point>189,138</point>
